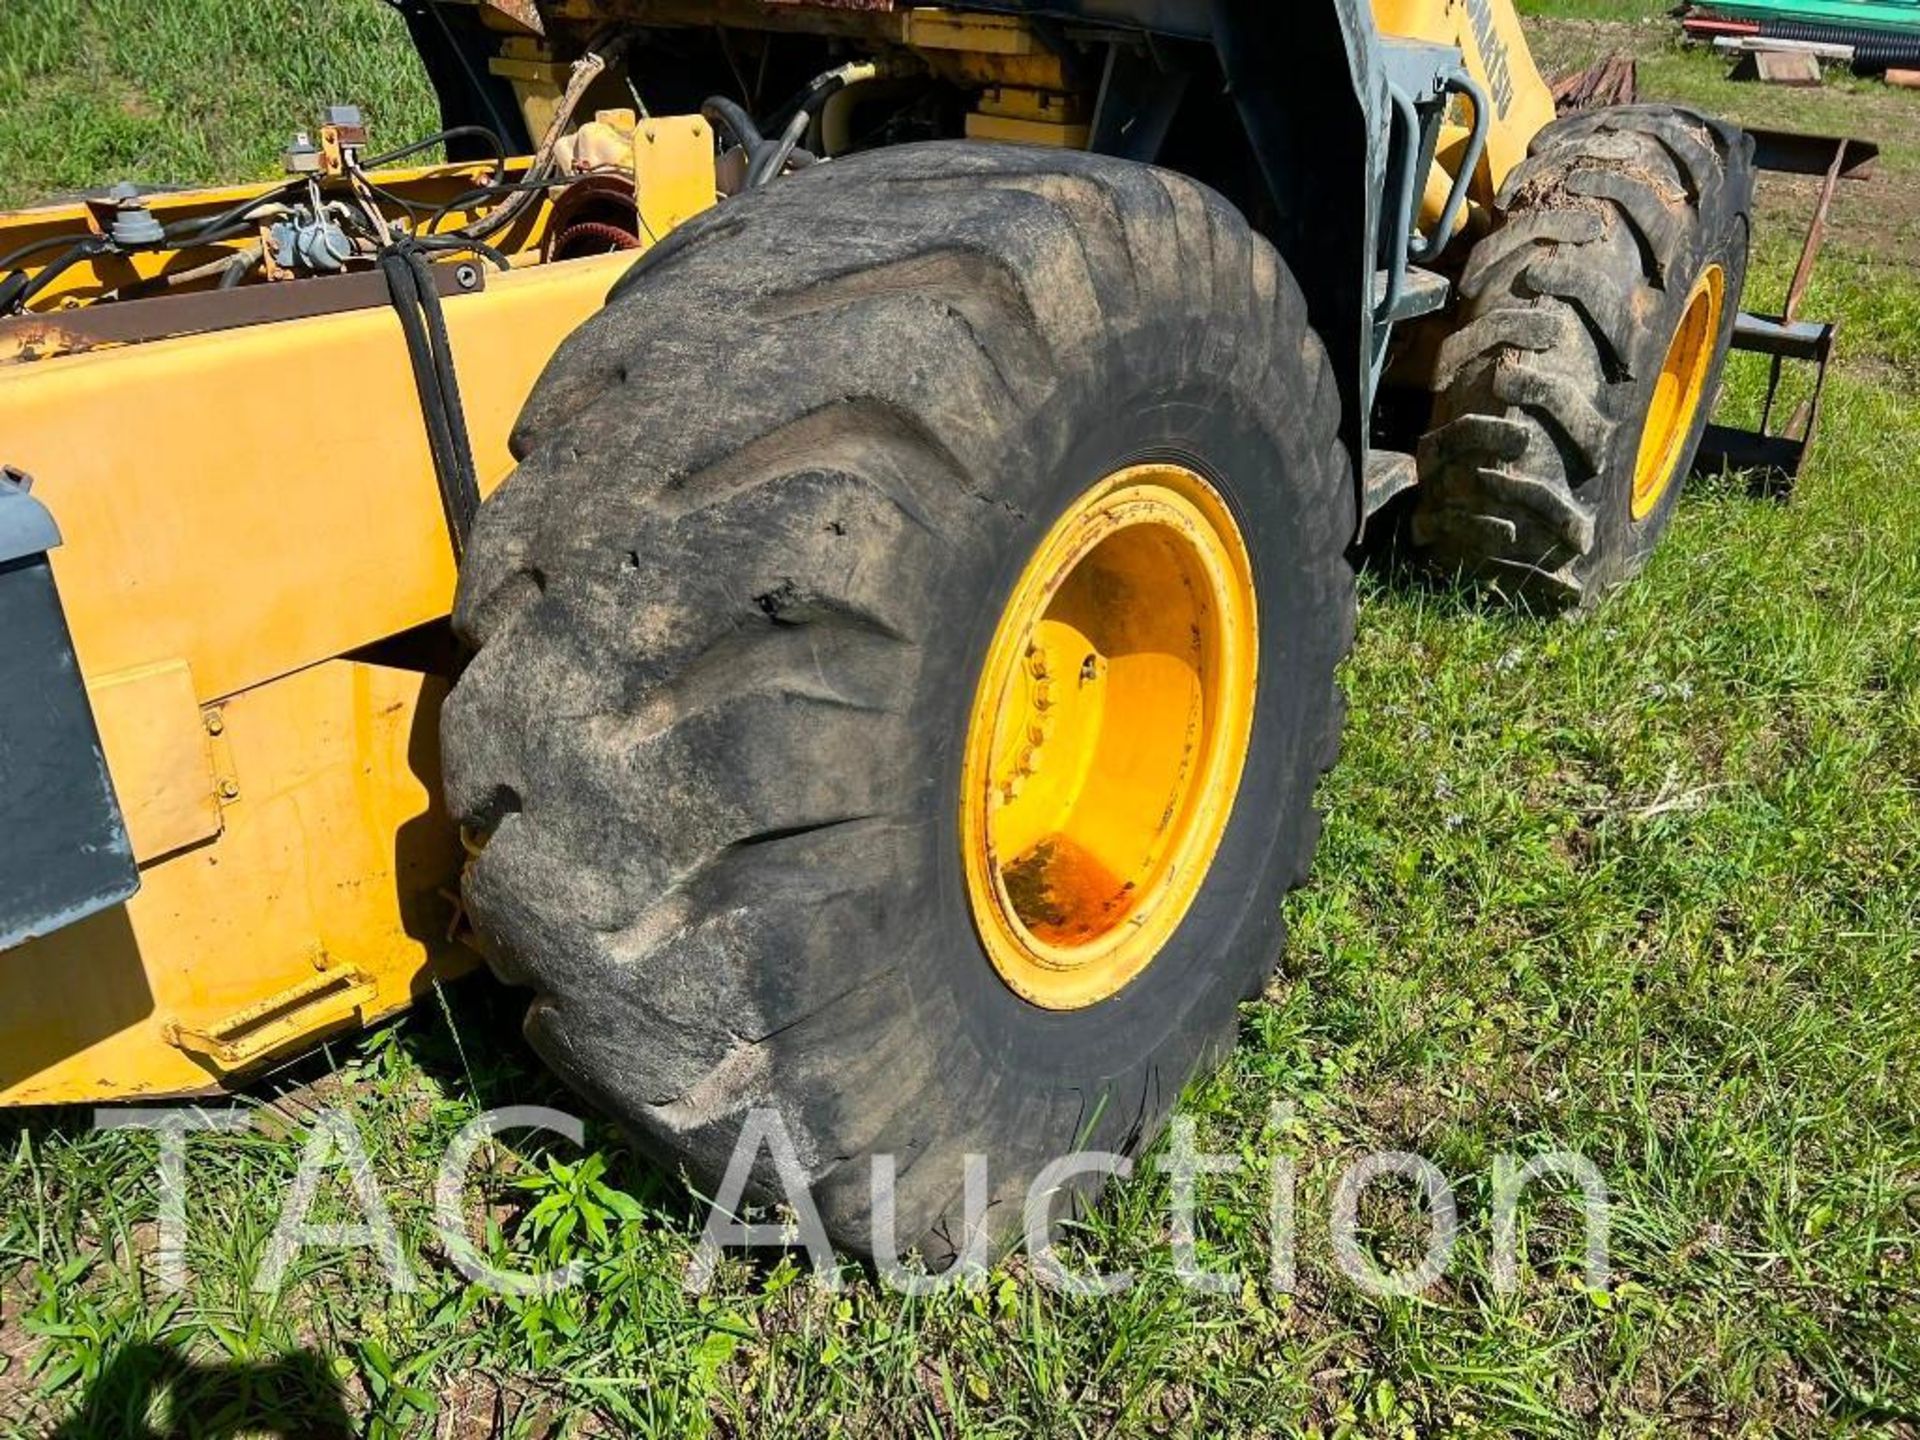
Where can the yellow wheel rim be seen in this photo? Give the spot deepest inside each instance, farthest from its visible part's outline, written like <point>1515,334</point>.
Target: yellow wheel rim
<point>1679,392</point>
<point>1108,735</point>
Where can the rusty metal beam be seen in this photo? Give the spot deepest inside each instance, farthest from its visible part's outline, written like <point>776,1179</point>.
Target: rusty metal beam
<point>35,337</point>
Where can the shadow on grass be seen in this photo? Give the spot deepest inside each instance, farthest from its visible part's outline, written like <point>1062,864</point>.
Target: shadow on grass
<point>296,1396</point>
<point>1389,560</point>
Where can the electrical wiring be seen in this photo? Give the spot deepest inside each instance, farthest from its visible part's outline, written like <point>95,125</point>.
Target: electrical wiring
<point>412,208</point>
<point>184,234</point>
<point>369,216</point>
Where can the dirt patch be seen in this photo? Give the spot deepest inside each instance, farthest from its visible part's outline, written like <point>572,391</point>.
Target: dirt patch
<point>1563,46</point>
<point>1876,220</point>
<point>18,1400</point>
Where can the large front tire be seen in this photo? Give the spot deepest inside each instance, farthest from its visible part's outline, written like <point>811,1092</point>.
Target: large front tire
<point>732,616</point>
<point>1596,321</point>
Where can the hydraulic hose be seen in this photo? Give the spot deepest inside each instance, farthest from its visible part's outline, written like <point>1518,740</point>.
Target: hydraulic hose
<point>774,159</point>
<point>51,242</point>
<point>199,232</point>
<point>83,250</point>
<point>233,271</point>
<point>453,132</point>
<point>416,301</point>
<point>732,120</point>
<point>823,87</point>
<point>767,158</point>
<point>586,70</point>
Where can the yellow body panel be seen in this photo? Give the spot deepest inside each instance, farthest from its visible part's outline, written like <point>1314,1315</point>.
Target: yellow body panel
<point>333,852</point>
<point>1008,130</point>
<point>160,755</point>
<point>256,500</point>
<point>240,510</point>
<point>672,171</point>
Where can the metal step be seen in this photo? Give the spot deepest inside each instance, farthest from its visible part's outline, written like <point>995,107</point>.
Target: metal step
<point>1792,339</point>
<point>1389,473</point>
<point>1776,455</point>
<point>1424,293</point>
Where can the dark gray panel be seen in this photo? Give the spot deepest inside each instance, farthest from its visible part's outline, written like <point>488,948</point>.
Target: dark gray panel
<point>63,846</point>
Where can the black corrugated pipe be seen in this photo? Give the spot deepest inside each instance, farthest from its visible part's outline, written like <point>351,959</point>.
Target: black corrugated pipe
<point>1873,50</point>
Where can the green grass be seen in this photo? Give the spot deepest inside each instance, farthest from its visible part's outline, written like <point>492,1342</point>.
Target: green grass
<point>1645,886</point>
<point>188,92</point>
<point>1603,10</point>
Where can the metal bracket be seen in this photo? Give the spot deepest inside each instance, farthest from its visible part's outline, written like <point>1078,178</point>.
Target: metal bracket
<point>1778,456</point>
<point>132,322</point>
<point>1421,77</point>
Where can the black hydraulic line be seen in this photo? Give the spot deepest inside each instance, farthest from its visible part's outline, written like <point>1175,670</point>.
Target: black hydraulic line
<point>184,233</point>
<point>16,287</point>
<point>453,241</point>
<point>467,481</point>
<point>46,242</point>
<point>238,269</point>
<point>83,250</point>
<point>820,89</point>
<point>733,121</point>
<point>416,301</point>
<point>767,158</point>
<point>730,116</point>
<point>399,202</point>
<point>452,132</point>
<point>774,160</point>
<point>506,187</point>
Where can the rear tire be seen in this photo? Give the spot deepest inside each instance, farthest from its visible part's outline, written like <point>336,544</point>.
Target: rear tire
<point>729,618</point>
<point>1572,304</point>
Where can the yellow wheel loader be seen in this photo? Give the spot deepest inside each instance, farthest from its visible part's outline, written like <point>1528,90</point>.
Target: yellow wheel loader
<point>817,539</point>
